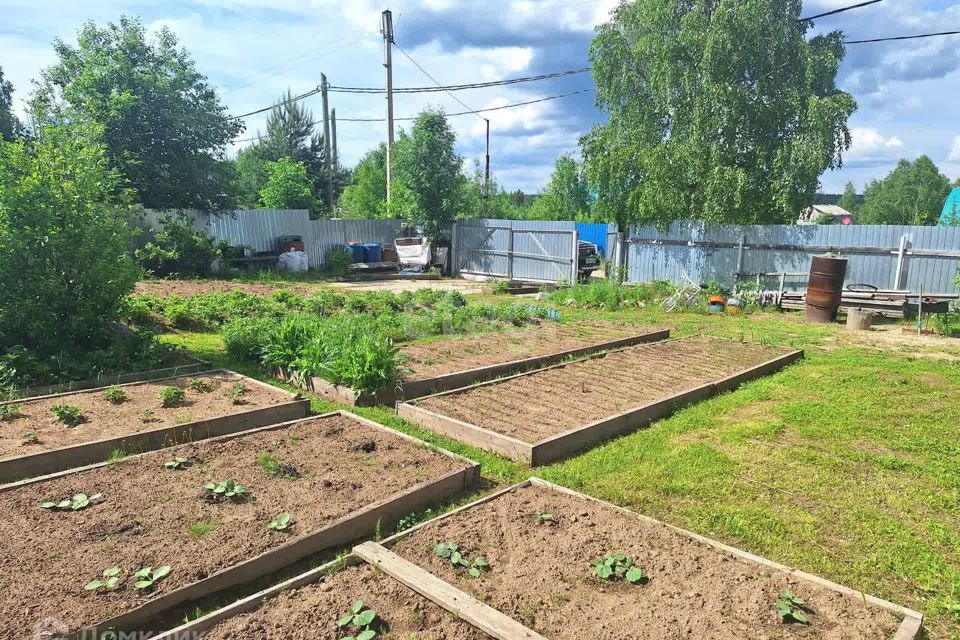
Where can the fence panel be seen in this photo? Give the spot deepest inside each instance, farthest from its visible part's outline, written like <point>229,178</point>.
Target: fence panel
<point>528,250</point>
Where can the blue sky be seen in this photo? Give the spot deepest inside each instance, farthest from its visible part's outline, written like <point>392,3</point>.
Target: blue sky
<point>256,49</point>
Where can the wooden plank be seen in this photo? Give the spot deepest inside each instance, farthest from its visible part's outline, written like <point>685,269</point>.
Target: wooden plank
<point>196,365</point>
<point>468,433</point>
<point>462,605</point>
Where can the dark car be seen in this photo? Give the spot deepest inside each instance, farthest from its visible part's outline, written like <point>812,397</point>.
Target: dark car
<point>588,259</point>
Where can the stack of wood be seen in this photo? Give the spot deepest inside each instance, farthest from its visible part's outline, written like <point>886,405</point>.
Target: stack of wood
<point>883,302</point>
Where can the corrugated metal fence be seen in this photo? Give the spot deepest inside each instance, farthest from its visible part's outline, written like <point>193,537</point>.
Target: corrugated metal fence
<point>888,257</point>
<point>261,229</point>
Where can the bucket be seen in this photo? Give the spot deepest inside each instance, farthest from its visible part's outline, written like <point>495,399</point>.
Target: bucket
<point>716,303</point>
<point>734,305</point>
<point>355,249</point>
<point>825,287</point>
<point>374,252</point>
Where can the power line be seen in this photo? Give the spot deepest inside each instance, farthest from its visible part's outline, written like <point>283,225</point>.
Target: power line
<point>436,82</point>
<point>840,10</point>
<point>914,37</point>
<point>461,87</point>
<point>307,94</point>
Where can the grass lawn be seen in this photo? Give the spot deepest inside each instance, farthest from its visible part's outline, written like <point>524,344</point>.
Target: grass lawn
<point>845,465</point>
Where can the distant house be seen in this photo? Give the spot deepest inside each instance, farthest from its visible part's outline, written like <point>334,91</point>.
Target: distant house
<point>812,213</point>
<point>951,209</point>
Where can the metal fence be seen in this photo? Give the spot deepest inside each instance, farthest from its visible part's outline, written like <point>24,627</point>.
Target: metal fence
<point>261,229</point>
<point>888,257</point>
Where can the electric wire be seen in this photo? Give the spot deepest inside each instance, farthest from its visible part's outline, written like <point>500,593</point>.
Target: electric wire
<point>435,81</point>
<point>893,38</point>
<point>840,10</point>
<point>461,87</point>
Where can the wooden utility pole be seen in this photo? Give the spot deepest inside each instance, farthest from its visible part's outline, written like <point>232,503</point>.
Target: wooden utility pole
<point>326,139</point>
<point>486,174</point>
<point>386,28</point>
<point>333,139</point>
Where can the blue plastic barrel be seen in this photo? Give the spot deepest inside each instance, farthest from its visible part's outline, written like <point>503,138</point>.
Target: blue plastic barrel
<point>355,249</point>
<point>374,252</point>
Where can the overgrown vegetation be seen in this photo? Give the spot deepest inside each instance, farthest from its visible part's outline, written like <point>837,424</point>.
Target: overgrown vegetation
<point>610,295</point>
<point>177,248</point>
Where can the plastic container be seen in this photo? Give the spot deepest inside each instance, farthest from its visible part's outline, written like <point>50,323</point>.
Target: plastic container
<point>374,252</point>
<point>734,305</point>
<point>355,249</point>
<point>717,304</point>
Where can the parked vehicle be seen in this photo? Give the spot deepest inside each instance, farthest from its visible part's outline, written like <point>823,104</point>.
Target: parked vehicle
<point>588,259</point>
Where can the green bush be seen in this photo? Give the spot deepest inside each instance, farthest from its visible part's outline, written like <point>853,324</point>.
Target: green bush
<point>610,294</point>
<point>178,249</point>
<point>244,338</point>
<point>338,261</point>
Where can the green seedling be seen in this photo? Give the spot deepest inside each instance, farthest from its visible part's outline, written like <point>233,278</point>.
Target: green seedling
<point>450,551</point>
<point>177,463</point>
<point>31,437</point>
<point>10,412</point>
<point>201,385</point>
<point>68,415</point>
<point>115,395</point>
<point>149,415</point>
<point>275,467</point>
<point>238,393</point>
<point>109,581</point>
<point>172,397</point>
<point>358,618</point>
<point>545,518</point>
<point>281,523</point>
<point>78,502</point>
<point>790,607</point>
<point>617,567</point>
<point>225,490</point>
<point>148,577</point>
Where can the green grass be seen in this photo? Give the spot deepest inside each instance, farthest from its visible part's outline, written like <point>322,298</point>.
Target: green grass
<point>845,465</point>
<point>200,529</point>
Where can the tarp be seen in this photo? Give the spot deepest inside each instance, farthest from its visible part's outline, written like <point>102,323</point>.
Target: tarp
<point>951,210</point>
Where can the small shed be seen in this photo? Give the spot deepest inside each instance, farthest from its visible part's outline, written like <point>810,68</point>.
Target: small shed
<point>812,213</point>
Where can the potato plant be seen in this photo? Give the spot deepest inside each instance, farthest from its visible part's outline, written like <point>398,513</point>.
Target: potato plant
<point>115,395</point>
<point>109,581</point>
<point>172,397</point>
<point>357,621</point>
<point>790,607</point>
<point>450,551</point>
<point>68,415</point>
<point>617,567</point>
<point>78,502</point>
<point>201,385</point>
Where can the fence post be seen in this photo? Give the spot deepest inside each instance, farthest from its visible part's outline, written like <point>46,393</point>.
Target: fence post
<point>898,274</point>
<point>510,253</point>
<point>454,252</point>
<point>575,257</point>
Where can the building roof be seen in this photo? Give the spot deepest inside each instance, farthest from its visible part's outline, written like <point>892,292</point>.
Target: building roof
<point>811,213</point>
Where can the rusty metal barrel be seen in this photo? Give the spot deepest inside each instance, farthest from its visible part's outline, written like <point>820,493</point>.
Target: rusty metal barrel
<point>825,287</point>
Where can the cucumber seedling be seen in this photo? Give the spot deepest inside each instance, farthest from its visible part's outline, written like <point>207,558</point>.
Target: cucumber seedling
<point>790,607</point>
<point>78,502</point>
<point>109,581</point>
<point>450,551</point>
<point>177,463</point>
<point>357,620</point>
<point>115,395</point>
<point>148,577</point>
<point>225,490</point>
<point>281,523</point>
<point>617,567</point>
<point>201,385</point>
<point>68,415</point>
<point>172,397</point>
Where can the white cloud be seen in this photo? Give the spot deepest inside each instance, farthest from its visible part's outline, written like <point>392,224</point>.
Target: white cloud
<point>869,143</point>
<point>955,151</point>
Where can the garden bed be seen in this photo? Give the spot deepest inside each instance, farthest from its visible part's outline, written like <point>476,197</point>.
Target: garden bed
<point>540,541</point>
<point>338,476</point>
<point>185,365</point>
<point>601,396</point>
<point>450,363</point>
<point>34,441</point>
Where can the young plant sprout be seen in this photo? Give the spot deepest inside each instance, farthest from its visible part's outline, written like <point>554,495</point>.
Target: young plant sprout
<point>115,395</point>
<point>790,607</point>
<point>148,415</point>
<point>451,552</point>
<point>10,412</point>
<point>225,490</point>
<point>172,397</point>
<point>281,523</point>
<point>31,437</point>
<point>358,619</point>
<point>617,567</point>
<point>109,581</point>
<point>238,393</point>
<point>68,415</point>
<point>78,502</point>
<point>201,385</point>
<point>177,463</point>
<point>148,577</point>
<point>545,518</point>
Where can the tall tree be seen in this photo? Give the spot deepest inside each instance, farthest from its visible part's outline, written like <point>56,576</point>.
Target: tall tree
<point>163,124</point>
<point>718,109</point>
<point>913,193</point>
<point>366,194</point>
<point>566,196</point>
<point>428,174</point>
<point>288,186</point>
<point>9,125</point>
<point>849,200</point>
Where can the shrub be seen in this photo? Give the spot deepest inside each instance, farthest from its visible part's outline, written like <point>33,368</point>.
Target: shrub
<point>338,261</point>
<point>178,248</point>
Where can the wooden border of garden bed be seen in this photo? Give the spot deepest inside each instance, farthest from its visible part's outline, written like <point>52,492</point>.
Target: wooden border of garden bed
<point>911,621</point>
<point>455,379</point>
<point>564,444</point>
<point>196,365</point>
<point>345,530</point>
<point>88,453</point>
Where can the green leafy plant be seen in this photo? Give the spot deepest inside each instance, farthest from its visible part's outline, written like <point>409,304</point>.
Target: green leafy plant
<point>68,414</point>
<point>115,395</point>
<point>545,518</point>
<point>10,412</point>
<point>109,580</point>
<point>201,385</point>
<point>617,567</point>
<point>238,393</point>
<point>358,619</point>
<point>225,490</point>
<point>790,607</point>
<point>116,456</point>
<point>275,467</point>
<point>148,577</point>
<point>149,415</point>
<point>172,396</point>
<point>78,502</point>
<point>281,523</point>
<point>177,463</point>
<point>500,287</point>
<point>338,261</point>
<point>451,551</point>
<point>31,437</point>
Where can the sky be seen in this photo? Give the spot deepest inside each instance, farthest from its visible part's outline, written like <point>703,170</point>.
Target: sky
<point>254,50</point>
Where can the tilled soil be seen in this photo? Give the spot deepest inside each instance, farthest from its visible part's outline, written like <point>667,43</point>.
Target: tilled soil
<point>185,288</point>
<point>37,429</point>
<point>543,404</point>
<point>541,576</point>
<point>439,357</point>
<point>152,516</point>
<point>311,612</point>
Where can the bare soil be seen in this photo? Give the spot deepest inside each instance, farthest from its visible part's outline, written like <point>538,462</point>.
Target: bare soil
<point>429,359</point>
<point>549,402</point>
<point>541,576</point>
<point>37,429</point>
<point>152,516</point>
<point>185,288</point>
<point>311,612</point>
